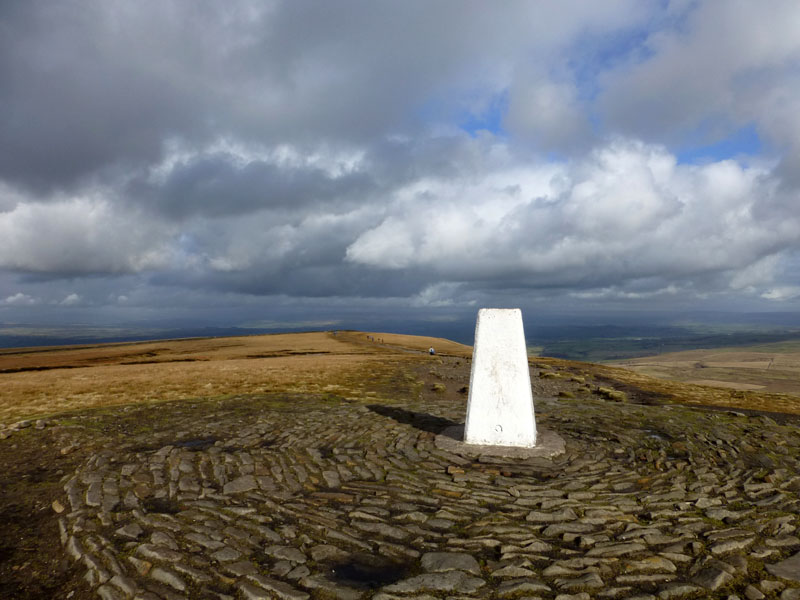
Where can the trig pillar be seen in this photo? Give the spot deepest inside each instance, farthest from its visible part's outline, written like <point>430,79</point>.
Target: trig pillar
<point>500,406</point>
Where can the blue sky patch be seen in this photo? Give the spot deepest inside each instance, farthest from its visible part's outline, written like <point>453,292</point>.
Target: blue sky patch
<point>490,120</point>
<point>742,142</point>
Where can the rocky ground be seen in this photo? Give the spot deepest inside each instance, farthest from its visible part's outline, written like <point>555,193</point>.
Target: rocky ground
<point>328,497</point>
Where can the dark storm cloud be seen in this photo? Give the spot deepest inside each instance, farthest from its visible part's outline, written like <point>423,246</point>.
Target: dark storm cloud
<point>218,183</point>
<point>307,280</point>
<point>83,92</point>
<point>215,185</point>
<point>89,85</point>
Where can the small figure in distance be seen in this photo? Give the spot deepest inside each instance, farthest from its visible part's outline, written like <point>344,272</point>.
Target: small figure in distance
<point>431,351</point>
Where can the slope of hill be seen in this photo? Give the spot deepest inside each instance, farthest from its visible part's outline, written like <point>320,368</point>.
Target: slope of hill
<point>46,380</point>
<point>41,381</point>
<point>771,368</point>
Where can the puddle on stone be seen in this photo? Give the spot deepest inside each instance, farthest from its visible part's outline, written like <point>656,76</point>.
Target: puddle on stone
<point>196,444</point>
<point>161,505</point>
<point>656,435</point>
<point>368,572</point>
<point>325,452</point>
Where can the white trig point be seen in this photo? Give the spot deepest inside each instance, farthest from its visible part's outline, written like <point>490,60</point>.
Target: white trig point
<point>500,405</point>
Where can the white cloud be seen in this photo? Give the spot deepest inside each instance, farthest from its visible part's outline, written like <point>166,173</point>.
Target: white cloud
<point>440,295</point>
<point>757,275</point>
<point>616,293</point>
<point>71,300</point>
<point>728,64</point>
<point>625,213</point>
<point>783,293</point>
<point>20,299</point>
<point>80,235</point>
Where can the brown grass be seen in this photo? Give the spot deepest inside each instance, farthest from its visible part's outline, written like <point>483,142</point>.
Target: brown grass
<point>681,392</point>
<point>42,381</point>
<point>198,349</point>
<point>397,341</point>
<point>771,368</point>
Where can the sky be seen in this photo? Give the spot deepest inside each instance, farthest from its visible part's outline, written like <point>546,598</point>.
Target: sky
<point>250,163</point>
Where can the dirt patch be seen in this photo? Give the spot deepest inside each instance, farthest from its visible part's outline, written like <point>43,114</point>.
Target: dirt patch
<point>37,383</point>
<point>32,566</point>
<point>635,393</point>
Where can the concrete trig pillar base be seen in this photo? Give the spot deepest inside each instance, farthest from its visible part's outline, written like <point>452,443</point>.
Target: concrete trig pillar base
<point>500,406</point>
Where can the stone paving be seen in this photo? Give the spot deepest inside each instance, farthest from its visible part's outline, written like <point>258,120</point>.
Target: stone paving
<point>344,499</point>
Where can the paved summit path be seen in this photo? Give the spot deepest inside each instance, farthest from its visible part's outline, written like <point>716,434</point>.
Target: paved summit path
<point>352,499</point>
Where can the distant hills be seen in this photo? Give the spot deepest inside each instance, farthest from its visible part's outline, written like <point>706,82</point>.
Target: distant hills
<point>562,337</point>
<point>602,344</point>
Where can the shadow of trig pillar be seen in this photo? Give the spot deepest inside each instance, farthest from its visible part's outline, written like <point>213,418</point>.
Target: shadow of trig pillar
<point>500,406</point>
